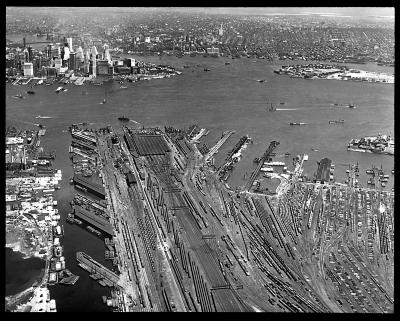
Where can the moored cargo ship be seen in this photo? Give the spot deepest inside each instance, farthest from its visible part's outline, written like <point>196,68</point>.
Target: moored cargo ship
<point>381,144</point>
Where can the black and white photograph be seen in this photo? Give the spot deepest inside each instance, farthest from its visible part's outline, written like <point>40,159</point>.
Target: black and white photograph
<point>199,159</point>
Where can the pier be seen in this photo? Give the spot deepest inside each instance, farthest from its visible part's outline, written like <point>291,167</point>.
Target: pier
<point>97,271</point>
<point>264,157</point>
<point>217,146</point>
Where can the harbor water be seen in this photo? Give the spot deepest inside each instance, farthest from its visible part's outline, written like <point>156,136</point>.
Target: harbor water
<point>21,272</point>
<point>226,97</point>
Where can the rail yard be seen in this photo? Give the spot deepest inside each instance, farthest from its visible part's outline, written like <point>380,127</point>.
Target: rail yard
<point>182,240</point>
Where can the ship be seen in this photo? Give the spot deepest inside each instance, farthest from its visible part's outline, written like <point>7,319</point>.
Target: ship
<point>339,121</point>
<point>272,108</point>
<point>299,124</point>
<point>381,144</point>
<point>123,118</point>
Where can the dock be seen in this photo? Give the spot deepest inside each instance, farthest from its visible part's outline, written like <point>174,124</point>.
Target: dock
<point>217,146</point>
<point>264,157</point>
<point>95,220</point>
<point>98,271</point>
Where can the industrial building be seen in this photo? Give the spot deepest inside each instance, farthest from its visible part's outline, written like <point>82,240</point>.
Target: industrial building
<point>90,186</point>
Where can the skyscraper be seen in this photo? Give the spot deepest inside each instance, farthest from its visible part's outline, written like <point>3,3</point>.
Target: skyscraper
<point>69,41</point>
<point>221,31</point>
<point>28,69</point>
<point>107,55</point>
<point>72,63</point>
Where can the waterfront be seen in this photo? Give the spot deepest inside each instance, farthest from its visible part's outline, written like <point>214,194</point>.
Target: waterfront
<point>227,97</point>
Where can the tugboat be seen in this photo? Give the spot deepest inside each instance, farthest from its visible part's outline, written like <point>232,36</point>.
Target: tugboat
<point>123,118</point>
<point>272,108</point>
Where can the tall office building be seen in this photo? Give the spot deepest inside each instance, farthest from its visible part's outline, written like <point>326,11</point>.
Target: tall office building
<point>102,68</point>
<point>30,54</point>
<point>94,52</point>
<point>69,41</point>
<point>66,53</point>
<point>28,69</point>
<point>72,63</point>
<point>94,58</point>
<point>58,64</point>
<point>221,31</point>
<point>79,58</point>
<point>107,55</point>
<point>86,61</point>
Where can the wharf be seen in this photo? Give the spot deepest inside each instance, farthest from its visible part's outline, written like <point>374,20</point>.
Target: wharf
<point>92,187</point>
<point>98,270</point>
<point>264,157</point>
<point>95,220</point>
<point>217,146</point>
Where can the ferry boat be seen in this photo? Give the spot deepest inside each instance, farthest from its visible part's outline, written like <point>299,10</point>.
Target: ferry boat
<point>123,118</point>
<point>340,121</point>
<point>381,144</point>
<point>299,124</point>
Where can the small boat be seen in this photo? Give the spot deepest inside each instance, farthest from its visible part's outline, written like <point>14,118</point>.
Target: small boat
<point>383,184</point>
<point>340,121</point>
<point>123,87</point>
<point>123,119</point>
<point>18,96</point>
<point>206,69</point>
<point>227,63</point>
<point>369,171</point>
<point>287,154</point>
<point>299,124</point>
<point>393,171</point>
<point>282,103</point>
<point>351,106</point>
<point>104,101</point>
<point>260,80</point>
<point>59,89</point>
<point>30,92</point>
<point>347,171</point>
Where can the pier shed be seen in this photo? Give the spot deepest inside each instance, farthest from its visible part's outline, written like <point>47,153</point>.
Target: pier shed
<point>323,171</point>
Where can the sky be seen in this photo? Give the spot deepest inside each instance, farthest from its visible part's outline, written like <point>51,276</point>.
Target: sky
<point>345,11</point>
<point>338,11</point>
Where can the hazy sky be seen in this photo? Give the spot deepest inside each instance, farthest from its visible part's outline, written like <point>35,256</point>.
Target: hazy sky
<point>342,11</point>
<point>351,11</point>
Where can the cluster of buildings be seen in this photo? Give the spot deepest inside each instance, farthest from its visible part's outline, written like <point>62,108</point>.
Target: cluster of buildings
<point>306,37</point>
<point>325,71</point>
<point>32,219</point>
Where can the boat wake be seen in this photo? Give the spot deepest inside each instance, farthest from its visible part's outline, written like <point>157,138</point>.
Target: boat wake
<point>286,109</point>
<point>134,121</point>
<point>43,117</point>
